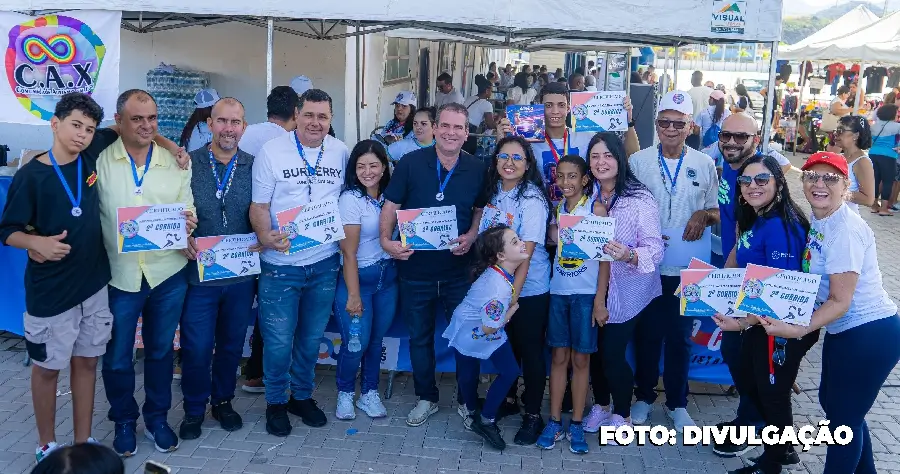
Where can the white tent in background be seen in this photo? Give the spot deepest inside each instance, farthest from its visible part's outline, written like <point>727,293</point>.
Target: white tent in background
<point>852,21</point>
<point>879,41</point>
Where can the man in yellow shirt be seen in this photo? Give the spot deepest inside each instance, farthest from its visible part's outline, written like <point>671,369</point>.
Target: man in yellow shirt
<point>134,171</point>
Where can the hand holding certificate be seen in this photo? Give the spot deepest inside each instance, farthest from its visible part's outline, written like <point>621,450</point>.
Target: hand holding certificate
<point>599,111</point>
<point>226,256</point>
<point>779,294</point>
<point>311,225</point>
<point>583,237</point>
<point>709,292</point>
<point>428,229</point>
<point>151,228</point>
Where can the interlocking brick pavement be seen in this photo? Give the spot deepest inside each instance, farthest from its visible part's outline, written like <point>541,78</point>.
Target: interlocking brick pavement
<point>442,445</point>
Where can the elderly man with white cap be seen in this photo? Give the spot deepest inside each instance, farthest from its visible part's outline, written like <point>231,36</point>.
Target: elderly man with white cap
<point>685,185</point>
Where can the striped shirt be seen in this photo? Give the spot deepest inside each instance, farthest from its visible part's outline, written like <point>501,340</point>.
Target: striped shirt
<point>632,287</point>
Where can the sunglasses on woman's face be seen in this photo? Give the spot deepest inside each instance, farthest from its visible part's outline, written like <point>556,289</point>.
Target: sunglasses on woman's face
<point>507,157</point>
<point>664,124</point>
<point>761,179</point>
<point>739,138</point>
<point>830,179</point>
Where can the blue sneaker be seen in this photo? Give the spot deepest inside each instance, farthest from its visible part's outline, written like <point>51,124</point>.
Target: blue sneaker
<point>577,444</point>
<point>162,436</point>
<point>125,442</point>
<point>552,433</point>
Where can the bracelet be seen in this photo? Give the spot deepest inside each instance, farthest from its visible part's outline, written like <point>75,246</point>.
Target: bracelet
<point>631,255</point>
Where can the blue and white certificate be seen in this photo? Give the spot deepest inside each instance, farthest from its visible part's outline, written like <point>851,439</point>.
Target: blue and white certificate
<point>679,253</point>
<point>226,256</point>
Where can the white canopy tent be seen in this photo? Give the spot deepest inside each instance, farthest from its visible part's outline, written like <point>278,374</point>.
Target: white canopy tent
<point>878,41</point>
<point>852,21</point>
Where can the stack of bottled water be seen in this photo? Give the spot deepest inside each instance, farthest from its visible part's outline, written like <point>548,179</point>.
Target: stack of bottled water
<point>174,90</point>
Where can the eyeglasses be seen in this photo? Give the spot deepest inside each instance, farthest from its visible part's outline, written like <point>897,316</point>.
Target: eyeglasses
<point>830,179</point>
<point>761,179</point>
<point>739,138</point>
<point>841,130</point>
<point>507,157</point>
<point>664,124</point>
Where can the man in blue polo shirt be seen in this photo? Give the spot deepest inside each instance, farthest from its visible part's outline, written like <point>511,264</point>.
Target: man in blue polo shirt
<point>442,175</point>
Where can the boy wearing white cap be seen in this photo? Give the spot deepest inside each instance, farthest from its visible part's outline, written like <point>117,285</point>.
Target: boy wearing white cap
<point>684,184</point>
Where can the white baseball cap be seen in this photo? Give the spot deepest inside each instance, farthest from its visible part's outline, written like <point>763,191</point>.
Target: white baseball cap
<point>206,98</point>
<point>405,98</point>
<point>678,101</point>
<point>301,84</point>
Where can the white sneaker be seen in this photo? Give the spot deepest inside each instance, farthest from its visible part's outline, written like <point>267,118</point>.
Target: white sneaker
<point>463,413</point>
<point>420,413</point>
<point>679,417</point>
<point>616,421</point>
<point>43,451</point>
<point>370,402</point>
<point>598,416</point>
<point>640,411</point>
<point>345,410</point>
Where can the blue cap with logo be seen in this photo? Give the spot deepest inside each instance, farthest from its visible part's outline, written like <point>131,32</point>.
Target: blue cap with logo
<point>405,98</point>
<point>206,98</point>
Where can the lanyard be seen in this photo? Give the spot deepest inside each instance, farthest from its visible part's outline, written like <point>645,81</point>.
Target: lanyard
<point>506,276</point>
<point>310,170</point>
<point>378,203</point>
<point>663,167</point>
<point>138,183</point>
<point>608,203</point>
<point>443,184</point>
<point>224,185</point>
<point>76,202</point>
<point>561,208</point>
<point>553,147</point>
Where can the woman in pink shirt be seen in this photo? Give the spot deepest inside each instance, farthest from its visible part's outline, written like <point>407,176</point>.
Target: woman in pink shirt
<point>634,281</point>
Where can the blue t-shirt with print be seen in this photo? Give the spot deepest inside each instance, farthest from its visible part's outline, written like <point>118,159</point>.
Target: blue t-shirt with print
<point>727,189</point>
<point>770,243</point>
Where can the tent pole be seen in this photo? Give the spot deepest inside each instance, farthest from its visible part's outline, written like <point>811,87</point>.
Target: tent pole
<point>358,85</point>
<point>270,42</point>
<point>770,98</point>
<point>628,72</point>
<point>802,83</point>
<point>675,68</point>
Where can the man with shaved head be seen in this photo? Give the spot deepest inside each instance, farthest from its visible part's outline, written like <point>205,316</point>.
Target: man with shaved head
<point>217,312</point>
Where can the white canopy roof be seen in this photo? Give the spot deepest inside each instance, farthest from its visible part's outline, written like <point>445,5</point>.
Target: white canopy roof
<point>879,41</point>
<point>660,22</point>
<point>852,21</point>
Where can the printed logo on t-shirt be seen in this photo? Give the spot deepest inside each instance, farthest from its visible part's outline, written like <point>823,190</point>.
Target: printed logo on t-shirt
<point>549,162</point>
<point>724,192</point>
<point>92,179</point>
<point>814,241</point>
<point>691,173</point>
<point>494,310</point>
<point>745,239</point>
<point>321,172</point>
<point>570,267</point>
<point>478,334</point>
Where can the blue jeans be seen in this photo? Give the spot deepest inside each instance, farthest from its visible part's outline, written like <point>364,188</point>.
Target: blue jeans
<point>747,414</point>
<point>661,323</point>
<point>378,291</point>
<point>418,308</point>
<point>160,309</point>
<point>855,364</point>
<point>215,319</point>
<point>468,369</point>
<point>294,306</point>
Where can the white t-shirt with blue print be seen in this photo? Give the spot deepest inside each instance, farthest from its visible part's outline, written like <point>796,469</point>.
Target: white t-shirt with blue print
<point>485,304</point>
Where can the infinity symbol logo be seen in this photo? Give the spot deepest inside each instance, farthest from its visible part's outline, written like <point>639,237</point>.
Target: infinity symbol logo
<point>59,48</point>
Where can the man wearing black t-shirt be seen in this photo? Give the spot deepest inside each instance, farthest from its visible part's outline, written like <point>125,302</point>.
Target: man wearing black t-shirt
<point>53,209</point>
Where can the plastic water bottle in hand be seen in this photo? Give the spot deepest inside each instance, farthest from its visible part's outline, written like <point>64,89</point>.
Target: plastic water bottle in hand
<point>354,344</point>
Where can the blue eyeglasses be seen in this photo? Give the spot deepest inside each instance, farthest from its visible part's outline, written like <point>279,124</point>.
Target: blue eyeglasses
<point>507,157</point>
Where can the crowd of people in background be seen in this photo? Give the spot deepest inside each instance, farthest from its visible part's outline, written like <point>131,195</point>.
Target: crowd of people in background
<point>504,287</point>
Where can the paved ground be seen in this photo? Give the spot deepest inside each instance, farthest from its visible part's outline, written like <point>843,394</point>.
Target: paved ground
<point>442,445</point>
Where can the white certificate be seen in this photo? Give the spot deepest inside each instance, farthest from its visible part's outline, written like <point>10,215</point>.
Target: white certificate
<point>151,228</point>
<point>710,292</point>
<point>226,256</point>
<point>311,225</point>
<point>428,229</point>
<point>679,253</point>
<point>583,237</point>
<point>779,294</point>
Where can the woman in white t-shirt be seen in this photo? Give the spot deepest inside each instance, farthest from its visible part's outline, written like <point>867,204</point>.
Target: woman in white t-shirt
<point>422,137</point>
<point>367,290</point>
<point>516,198</point>
<point>476,331</point>
<point>521,93</point>
<point>862,327</point>
<point>854,136</point>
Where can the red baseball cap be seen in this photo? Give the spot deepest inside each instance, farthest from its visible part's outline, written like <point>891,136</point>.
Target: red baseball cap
<point>835,160</point>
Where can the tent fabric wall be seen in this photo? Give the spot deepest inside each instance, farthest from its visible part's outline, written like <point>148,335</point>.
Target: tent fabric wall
<point>879,41</point>
<point>853,21</point>
<point>667,20</point>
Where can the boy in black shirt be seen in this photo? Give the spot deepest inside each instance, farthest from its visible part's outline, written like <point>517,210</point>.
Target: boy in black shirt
<point>53,211</point>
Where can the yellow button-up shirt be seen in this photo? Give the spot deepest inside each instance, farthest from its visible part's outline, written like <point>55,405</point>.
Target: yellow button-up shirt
<point>165,183</point>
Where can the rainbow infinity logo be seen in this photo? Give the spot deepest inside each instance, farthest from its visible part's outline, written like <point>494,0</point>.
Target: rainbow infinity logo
<point>59,48</point>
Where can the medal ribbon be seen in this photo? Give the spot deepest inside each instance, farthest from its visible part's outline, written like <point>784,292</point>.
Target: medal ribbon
<point>140,182</point>
<point>225,184</point>
<point>553,147</point>
<point>310,170</point>
<point>443,185</point>
<point>76,202</point>
<point>663,167</point>
<point>506,276</point>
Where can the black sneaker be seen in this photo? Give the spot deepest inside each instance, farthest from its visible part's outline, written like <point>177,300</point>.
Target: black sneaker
<point>730,450</point>
<point>308,411</point>
<point>508,408</point>
<point>791,458</point>
<point>528,434</point>
<point>753,469</point>
<point>191,427</point>
<point>277,421</point>
<point>227,417</point>
<point>490,432</point>
<point>567,399</point>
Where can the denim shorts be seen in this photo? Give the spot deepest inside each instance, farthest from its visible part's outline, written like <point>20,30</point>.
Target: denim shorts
<point>570,323</point>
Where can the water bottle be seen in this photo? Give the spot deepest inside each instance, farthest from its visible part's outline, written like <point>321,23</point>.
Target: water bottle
<point>354,344</point>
